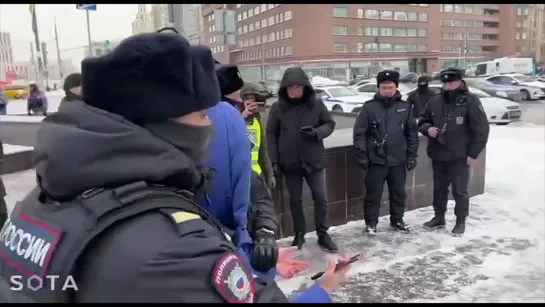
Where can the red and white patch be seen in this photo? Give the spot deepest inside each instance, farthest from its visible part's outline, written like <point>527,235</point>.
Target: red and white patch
<point>233,280</point>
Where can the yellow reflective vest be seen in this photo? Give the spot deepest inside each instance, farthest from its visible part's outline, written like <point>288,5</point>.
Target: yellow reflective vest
<point>254,134</point>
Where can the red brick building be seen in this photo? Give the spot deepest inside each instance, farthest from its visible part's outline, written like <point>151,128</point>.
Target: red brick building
<point>327,39</point>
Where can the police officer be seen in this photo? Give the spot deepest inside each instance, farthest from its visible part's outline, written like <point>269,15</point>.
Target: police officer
<point>386,142</point>
<point>113,210</point>
<point>457,130</point>
<point>253,106</point>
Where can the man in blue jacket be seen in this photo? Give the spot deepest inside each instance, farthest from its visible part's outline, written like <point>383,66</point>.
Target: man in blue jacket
<point>228,193</point>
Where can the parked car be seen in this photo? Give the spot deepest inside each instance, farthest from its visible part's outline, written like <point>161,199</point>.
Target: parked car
<point>272,85</point>
<point>500,111</point>
<point>503,91</point>
<point>410,77</point>
<point>341,99</point>
<point>528,86</point>
<point>370,88</point>
<point>16,91</point>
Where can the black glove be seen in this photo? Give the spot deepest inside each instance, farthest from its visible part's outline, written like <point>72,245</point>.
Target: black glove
<point>309,133</point>
<point>364,164</point>
<point>265,251</point>
<point>411,164</point>
<point>276,169</point>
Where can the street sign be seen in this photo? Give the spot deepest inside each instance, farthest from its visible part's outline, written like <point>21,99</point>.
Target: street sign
<point>86,7</point>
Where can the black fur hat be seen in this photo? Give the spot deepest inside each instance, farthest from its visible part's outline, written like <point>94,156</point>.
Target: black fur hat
<point>151,77</point>
<point>388,75</point>
<point>229,78</point>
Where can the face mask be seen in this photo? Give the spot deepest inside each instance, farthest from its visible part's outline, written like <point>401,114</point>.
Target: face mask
<point>189,139</point>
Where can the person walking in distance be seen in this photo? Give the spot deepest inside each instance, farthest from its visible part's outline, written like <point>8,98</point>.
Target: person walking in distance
<point>297,124</point>
<point>386,142</point>
<point>419,98</point>
<point>457,129</point>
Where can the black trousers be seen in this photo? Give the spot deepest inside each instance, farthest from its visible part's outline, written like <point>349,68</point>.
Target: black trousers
<point>316,183</point>
<point>395,177</point>
<point>447,173</point>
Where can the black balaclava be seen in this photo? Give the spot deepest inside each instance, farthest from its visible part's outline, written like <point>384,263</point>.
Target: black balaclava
<point>72,81</point>
<point>190,139</point>
<point>423,82</point>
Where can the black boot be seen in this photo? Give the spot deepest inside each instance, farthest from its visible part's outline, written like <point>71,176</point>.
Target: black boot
<point>299,240</point>
<point>460,226</point>
<point>400,225</point>
<point>325,242</point>
<point>438,221</point>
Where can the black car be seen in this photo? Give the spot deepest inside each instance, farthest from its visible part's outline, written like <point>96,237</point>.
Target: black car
<point>410,77</point>
<point>269,88</point>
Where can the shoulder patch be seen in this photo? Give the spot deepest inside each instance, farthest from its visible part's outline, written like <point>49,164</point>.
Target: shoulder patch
<point>182,216</point>
<point>28,244</point>
<point>233,280</point>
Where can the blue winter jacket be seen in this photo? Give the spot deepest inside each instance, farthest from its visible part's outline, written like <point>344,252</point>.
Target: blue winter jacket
<point>228,193</point>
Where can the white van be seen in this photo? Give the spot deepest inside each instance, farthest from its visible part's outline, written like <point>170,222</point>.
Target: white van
<point>523,66</point>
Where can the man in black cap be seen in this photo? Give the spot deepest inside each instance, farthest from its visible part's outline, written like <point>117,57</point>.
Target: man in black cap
<point>457,130</point>
<point>112,215</point>
<point>386,143</point>
<point>72,88</point>
<point>421,95</point>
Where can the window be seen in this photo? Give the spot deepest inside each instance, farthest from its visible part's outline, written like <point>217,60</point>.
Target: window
<point>360,13</point>
<point>340,11</point>
<point>468,8</point>
<point>263,7</point>
<point>386,31</point>
<point>401,32</point>
<point>386,15</point>
<point>525,35</point>
<point>448,8</point>
<point>281,17</point>
<point>239,17</point>
<point>257,25</point>
<point>244,15</point>
<point>517,36</point>
<point>244,29</point>
<point>258,40</point>
<point>289,50</point>
<point>239,30</point>
<point>265,38</point>
<point>412,33</point>
<point>468,23</point>
<point>282,51</point>
<point>256,10</point>
<point>371,31</point>
<point>271,20</point>
<point>361,31</point>
<point>252,42</point>
<point>280,34</point>
<point>421,47</point>
<point>400,16</point>
<point>360,47</point>
<point>423,32</point>
<point>371,14</point>
<point>340,30</point>
<point>411,47</point>
<point>250,13</point>
<point>251,27</point>
<point>277,18</point>
<point>271,6</point>
<point>458,23</point>
<point>239,5</point>
<point>287,15</point>
<point>371,47</point>
<point>288,33</point>
<point>412,16</point>
<point>399,48</point>
<point>422,5</point>
<point>458,8</point>
<point>447,22</point>
<point>271,37</point>
<point>423,17</point>
<point>385,47</point>
<point>339,47</point>
<point>263,23</point>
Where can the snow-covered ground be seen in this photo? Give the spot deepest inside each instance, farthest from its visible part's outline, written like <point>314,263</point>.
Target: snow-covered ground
<point>17,108</point>
<point>501,258</point>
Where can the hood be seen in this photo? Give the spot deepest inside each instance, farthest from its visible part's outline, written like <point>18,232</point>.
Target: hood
<point>295,76</point>
<point>534,84</point>
<point>81,147</point>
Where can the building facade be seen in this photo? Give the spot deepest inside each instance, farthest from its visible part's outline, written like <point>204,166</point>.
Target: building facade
<point>143,22</point>
<point>530,32</point>
<point>159,15</point>
<point>360,39</point>
<point>6,55</point>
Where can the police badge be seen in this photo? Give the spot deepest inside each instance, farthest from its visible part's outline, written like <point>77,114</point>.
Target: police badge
<point>459,120</point>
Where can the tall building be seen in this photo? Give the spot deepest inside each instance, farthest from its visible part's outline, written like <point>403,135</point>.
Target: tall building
<point>143,21</point>
<point>363,38</point>
<point>6,55</point>
<point>159,15</point>
<point>213,37</point>
<point>530,32</point>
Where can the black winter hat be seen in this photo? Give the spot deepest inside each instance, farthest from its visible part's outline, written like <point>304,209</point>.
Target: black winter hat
<point>151,77</point>
<point>73,80</point>
<point>450,74</point>
<point>388,75</point>
<point>229,78</point>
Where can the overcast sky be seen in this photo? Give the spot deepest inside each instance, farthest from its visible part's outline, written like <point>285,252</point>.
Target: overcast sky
<point>110,21</point>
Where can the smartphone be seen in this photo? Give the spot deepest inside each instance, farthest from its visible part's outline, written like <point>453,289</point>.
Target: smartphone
<point>339,265</point>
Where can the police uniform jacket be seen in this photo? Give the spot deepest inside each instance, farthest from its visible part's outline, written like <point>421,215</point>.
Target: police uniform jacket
<point>386,122</point>
<point>461,121</point>
<point>261,213</point>
<point>150,248</point>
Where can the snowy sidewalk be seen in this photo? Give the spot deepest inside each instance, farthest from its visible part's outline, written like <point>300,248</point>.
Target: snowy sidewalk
<point>501,258</point>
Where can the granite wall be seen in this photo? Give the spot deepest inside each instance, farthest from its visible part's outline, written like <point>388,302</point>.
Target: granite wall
<point>345,187</point>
